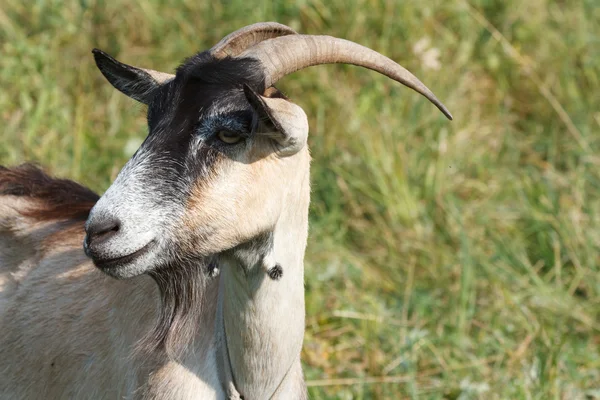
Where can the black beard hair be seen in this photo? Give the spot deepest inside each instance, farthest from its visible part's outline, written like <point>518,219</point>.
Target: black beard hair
<point>182,285</point>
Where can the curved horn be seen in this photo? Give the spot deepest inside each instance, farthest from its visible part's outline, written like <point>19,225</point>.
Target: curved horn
<point>248,36</point>
<point>283,55</point>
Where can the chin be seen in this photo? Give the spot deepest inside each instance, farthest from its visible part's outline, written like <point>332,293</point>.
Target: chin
<point>128,266</point>
<point>124,271</point>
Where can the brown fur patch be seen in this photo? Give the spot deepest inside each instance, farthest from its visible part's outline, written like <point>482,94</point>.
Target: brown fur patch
<point>273,92</point>
<point>54,199</point>
<point>65,233</point>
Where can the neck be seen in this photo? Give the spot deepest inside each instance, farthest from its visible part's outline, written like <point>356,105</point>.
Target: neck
<point>260,320</point>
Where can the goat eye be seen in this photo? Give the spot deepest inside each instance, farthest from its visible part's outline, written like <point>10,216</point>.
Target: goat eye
<point>229,137</point>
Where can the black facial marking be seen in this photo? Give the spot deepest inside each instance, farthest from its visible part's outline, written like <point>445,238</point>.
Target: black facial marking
<point>224,72</point>
<point>276,272</point>
<point>241,122</point>
<point>184,116</point>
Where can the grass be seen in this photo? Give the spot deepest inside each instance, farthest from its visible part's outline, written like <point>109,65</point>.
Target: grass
<point>446,260</point>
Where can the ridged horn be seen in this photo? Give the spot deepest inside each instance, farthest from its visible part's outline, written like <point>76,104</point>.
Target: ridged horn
<point>236,42</point>
<point>283,55</point>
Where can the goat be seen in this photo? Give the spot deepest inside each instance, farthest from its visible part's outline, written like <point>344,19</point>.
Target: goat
<point>204,229</point>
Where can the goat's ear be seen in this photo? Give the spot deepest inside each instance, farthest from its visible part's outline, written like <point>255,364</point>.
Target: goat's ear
<point>137,83</point>
<point>288,121</point>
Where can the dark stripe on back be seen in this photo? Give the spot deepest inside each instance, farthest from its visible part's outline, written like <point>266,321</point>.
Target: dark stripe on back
<point>56,199</point>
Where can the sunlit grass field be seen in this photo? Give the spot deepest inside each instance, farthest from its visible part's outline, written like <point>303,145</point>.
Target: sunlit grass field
<point>446,260</point>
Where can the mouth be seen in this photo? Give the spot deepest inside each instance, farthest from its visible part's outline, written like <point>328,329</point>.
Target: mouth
<point>108,263</point>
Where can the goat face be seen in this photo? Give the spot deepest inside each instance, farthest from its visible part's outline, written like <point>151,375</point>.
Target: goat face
<point>220,158</point>
<point>224,151</point>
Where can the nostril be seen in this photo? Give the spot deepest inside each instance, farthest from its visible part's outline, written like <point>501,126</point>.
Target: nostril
<point>102,230</point>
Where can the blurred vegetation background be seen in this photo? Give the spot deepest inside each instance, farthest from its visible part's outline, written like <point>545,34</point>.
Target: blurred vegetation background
<point>445,260</point>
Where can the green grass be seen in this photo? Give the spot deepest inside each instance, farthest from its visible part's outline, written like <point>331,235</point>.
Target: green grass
<point>446,260</point>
